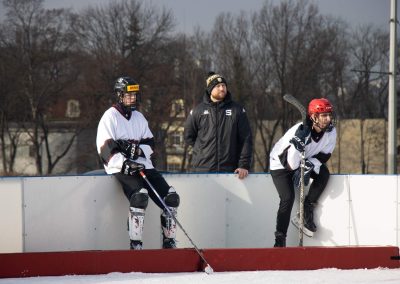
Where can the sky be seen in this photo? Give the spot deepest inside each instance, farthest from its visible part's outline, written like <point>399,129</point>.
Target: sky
<point>325,276</point>
<point>194,13</point>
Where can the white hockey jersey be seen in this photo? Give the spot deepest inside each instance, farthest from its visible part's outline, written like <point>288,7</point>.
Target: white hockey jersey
<point>325,145</point>
<point>113,125</point>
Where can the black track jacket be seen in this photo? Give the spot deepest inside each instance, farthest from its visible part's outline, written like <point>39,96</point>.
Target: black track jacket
<point>220,135</point>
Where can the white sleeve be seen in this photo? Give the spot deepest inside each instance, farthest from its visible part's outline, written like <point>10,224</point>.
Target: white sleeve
<point>147,132</point>
<point>332,142</point>
<point>317,164</point>
<point>105,132</point>
<point>293,157</point>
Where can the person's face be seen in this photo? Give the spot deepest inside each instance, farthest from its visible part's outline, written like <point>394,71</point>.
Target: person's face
<point>322,120</point>
<point>218,93</point>
<point>129,98</point>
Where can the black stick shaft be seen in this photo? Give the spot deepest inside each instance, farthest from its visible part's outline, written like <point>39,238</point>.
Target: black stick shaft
<point>172,215</point>
<point>303,112</point>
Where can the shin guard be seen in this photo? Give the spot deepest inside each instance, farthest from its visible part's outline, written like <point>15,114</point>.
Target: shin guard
<point>168,222</point>
<point>136,223</point>
<point>138,205</point>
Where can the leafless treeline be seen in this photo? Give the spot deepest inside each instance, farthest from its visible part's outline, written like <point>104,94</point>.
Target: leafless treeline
<point>47,56</point>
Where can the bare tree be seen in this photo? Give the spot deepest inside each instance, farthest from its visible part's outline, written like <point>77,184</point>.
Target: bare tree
<point>293,42</point>
<point>368,54</point>
<point>367,96</point>
<point>196,64</point>
<point>132,39</point>
<point>41,43</point>
<point>9,103</point>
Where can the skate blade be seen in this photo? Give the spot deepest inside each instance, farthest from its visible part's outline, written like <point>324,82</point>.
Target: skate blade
<point>296,223</point>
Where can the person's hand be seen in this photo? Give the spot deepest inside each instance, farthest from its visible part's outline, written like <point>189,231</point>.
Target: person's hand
<point>242,173</point>
<point>302,137</point>
<point>308,167</point>
<point>130,168</point>
<point>128,149</point>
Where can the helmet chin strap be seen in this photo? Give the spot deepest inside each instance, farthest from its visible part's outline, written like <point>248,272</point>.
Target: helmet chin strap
<point>316,123</point>
<point>326,128</point>
<point>128,108</point>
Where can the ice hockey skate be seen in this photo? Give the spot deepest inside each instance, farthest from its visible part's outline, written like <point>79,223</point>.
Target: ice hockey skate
<point>136,245</point>
<point>168,243</point>
<point>306,229</point>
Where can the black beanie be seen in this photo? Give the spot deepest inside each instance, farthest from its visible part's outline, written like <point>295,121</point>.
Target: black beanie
<point>213,80</point>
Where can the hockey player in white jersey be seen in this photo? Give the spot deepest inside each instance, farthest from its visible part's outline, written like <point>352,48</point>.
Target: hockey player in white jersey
<point>318,139</point>
<point>125,145</point>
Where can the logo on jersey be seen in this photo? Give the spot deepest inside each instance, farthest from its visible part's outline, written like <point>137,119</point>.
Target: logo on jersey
<point>206,112</point>
<point>228,112</point>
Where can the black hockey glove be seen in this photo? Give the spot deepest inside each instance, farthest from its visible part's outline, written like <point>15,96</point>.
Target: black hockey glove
<point>130,167</point>
<point>128,149</point>
<point>308,168</point>
<point>302,136</point>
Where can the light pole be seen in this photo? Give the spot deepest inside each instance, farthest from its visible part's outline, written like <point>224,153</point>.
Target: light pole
<point>392,108</point>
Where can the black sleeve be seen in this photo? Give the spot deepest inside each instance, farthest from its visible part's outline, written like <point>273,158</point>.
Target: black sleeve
<point>245,141</point>
<point>190,132</point>
<point>109,148</point>
<point>148,141</point>
<point>322,157</point>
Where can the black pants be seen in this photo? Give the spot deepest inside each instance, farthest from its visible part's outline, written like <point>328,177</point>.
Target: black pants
<point>284,185</point>
<point>132,184</point>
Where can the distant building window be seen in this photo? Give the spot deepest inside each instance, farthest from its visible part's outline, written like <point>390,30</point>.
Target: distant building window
<point>176,138</point>
<point>178,108</point>
<point>32,151</point>
<point>73,109</point>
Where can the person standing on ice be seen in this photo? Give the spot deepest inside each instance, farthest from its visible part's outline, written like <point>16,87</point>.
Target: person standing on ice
<point>125,145</point>
<point>219,132</point>
<point>318,139</point>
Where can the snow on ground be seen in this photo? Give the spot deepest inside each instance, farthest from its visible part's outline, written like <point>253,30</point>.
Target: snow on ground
<point>322,276</point>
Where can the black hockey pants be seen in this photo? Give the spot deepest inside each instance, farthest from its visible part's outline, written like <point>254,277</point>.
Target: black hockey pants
<point>132,184</point>
<point>285,187</point>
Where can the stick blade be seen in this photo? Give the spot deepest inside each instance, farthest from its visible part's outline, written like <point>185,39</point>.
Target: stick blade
<point>208,269</point>
<point>295,102</point>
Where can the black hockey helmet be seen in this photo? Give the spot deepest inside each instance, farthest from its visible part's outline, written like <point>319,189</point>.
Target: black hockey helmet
<point>125,85</point>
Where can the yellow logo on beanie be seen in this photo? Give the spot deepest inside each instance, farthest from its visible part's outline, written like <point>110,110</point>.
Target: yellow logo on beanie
<point>213,77</point>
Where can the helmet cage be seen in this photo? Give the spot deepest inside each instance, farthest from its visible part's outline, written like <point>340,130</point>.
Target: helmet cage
<point>124,85</point>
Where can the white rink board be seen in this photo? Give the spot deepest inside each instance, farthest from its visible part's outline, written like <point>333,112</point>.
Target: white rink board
<point>11,216</point>
<point>252,205</point>
<point>79,213</point>
<point>68,213</point>
<point>373,220</point>
<point>202,211</point>
<point>332,214</point>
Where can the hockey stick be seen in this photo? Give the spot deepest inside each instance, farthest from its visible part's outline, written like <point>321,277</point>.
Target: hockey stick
<point>293,101</point>
<point>208,269</point>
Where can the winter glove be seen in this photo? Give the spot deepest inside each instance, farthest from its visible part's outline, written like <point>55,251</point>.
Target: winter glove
<point>302,136</point>
<point>130,167</point>
<point>308,168</point>
<point>128,149</point>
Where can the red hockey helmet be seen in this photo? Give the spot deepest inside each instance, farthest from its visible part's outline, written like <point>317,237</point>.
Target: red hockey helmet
<point>321,105</point>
